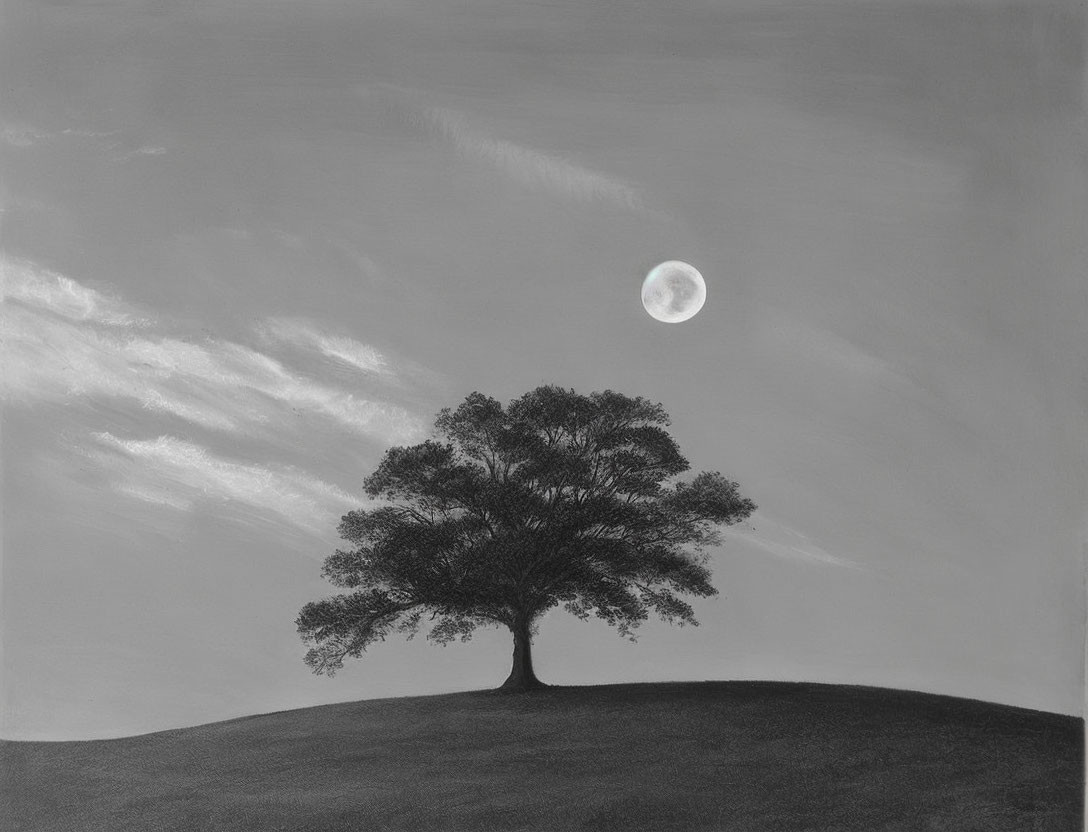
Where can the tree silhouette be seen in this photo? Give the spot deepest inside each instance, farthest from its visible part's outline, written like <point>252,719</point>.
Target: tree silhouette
<point>559,498</point>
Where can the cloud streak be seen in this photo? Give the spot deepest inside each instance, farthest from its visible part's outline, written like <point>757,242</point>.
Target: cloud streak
<point>22,135</point>
<point>345,352</point>
<point>533,168</point>
<point>62,296</point>
<point>782,541</point>
<point>65,342</point>
<point>340,348</point>
<point>69,344</point>
<point>178,474</point>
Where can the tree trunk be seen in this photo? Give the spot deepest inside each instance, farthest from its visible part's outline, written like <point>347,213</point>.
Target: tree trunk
<point>521,676</point>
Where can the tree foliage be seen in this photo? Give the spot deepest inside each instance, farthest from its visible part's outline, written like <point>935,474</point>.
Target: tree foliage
<point>557,499</point>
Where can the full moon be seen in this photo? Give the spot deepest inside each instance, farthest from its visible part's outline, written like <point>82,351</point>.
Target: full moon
<point>673,291</point>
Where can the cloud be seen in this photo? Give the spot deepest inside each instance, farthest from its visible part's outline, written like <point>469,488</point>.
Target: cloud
<point>143,150</point>
<point>22,135</point>
<point>298,333</point>
<point>68,343</point>
<point>65,342</point>
<point>781,540</point>
<point>178,474</point>
<point>25,135</point>
<point>22,281</point>
<point>533,168</point>
<point>346,352</point>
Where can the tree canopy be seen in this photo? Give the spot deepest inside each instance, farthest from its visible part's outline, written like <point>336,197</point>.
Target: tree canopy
<point>557,499</point>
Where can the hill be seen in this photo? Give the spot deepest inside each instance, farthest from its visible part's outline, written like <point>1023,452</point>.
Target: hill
<point>716,755</point>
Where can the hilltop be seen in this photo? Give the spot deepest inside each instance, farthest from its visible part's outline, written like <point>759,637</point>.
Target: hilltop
<point>715,755</point>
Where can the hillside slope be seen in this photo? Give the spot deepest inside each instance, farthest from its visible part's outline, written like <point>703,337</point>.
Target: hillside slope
<point>715,755</point>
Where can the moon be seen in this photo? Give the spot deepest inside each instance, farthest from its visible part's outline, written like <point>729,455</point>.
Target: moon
<point>673,291</point>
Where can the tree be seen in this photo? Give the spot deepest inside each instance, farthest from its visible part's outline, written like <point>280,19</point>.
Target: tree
<point>559,498</point>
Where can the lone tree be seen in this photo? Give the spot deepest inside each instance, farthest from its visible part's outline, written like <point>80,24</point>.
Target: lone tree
<point>559,498</point>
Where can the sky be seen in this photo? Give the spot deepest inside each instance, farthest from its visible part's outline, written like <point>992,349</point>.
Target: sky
<point>248,246</point>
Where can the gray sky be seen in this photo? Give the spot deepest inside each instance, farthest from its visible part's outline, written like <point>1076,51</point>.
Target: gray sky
<point>247,246</point>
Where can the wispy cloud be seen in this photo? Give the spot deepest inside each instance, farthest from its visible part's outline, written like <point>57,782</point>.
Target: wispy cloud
<point>531,167</point>
<point>22,281</point>
<point>343,351</point>
<point>828,348</point>
<point>26,135</point>
<point>178,474</point>
<point>338,347</point>
<point>66,342</point>
<point>143,150</point>
<point>781,540</point>
<point>22,135</point>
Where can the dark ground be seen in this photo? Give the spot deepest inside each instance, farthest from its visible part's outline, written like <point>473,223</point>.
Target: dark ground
<point>746,756</point>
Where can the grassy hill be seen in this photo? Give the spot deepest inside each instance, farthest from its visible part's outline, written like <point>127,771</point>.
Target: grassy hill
<point>715,755</point>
